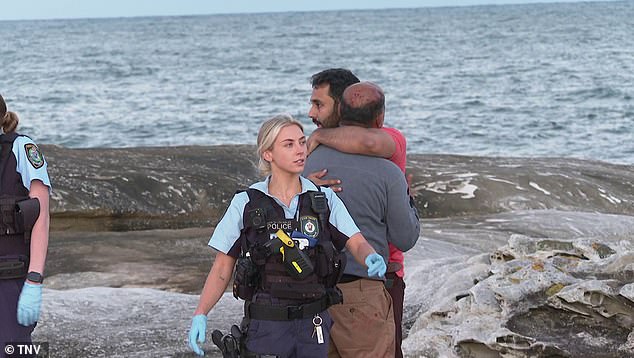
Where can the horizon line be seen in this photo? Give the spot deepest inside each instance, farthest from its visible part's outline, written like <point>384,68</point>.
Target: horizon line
<point>536,2</point>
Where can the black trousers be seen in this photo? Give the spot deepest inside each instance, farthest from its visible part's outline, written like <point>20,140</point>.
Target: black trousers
<point>10,329</point>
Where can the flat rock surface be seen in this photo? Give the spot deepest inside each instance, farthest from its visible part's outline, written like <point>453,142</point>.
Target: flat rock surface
<point>511,251</point>
<point>157,188</point>
<point>171,260</point>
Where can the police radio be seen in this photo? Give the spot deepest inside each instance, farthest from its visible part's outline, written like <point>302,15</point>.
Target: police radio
<point>318,202</point>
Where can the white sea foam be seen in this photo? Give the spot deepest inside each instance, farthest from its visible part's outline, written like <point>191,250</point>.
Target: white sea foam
<point>536,186</point>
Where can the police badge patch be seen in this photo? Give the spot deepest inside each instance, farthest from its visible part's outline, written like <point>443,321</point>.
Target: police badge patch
<point>34,155</point>
<point>310,226</point>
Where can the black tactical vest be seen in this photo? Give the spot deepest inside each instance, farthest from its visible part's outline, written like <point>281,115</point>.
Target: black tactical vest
<point>262,218</point>
<point>15,228</point>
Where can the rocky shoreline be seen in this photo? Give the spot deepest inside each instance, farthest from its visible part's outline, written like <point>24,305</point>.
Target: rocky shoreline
<point>128,256</point>
<point>123,189</point>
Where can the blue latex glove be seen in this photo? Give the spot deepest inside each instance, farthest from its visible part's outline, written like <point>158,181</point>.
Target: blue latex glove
<point>197,333</point>
<point>29,304</point>
<point>376,265</point>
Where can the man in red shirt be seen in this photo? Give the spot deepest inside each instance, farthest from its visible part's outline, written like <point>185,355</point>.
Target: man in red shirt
<point>389,143</point>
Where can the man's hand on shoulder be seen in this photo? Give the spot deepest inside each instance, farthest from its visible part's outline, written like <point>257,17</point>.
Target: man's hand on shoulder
<point>317,178</point>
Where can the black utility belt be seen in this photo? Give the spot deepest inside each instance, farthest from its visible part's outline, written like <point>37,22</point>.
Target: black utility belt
<point>285,313</point>
<point>12,269</point>
<point>18,215</point>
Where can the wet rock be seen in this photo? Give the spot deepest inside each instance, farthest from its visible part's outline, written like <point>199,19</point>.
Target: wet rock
<point>119,189</point>
<point>126,322</point>
<point>122,189</point>
<point>130,227</point>
<point>451,185</point>
<point>541,299</point>
<point>172,260</point>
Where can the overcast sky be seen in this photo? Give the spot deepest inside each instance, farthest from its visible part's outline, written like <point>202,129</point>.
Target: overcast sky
<point>63,9</point>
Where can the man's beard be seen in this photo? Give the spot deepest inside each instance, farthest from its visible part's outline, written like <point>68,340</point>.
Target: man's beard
<point>331,122</point>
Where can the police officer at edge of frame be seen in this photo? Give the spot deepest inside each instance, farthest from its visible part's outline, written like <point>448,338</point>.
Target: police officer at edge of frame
<point>24,226</point>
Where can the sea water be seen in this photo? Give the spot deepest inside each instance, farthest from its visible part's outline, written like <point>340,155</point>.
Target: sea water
<point>538,81</point>
<point>541,80</point>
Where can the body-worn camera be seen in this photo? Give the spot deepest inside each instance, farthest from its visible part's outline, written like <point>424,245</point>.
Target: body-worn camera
<point>257,219</point>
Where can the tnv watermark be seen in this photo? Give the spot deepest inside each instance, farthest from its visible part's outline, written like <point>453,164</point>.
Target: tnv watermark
<point>24,349</point>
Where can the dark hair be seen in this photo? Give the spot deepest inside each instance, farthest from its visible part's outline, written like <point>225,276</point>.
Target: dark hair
<point>364,114</point>
<point>337,78</point>
<point>8,120</point>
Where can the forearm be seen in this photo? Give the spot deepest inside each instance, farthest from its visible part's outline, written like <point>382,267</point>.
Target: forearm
<point>359,248</point>
<point>216,283</point>
<point>356,140</point>
<point>403,223</point>
<point>406,237</point>
<point>403,228</point>
<point>39,234</point>
<point>39,245</point>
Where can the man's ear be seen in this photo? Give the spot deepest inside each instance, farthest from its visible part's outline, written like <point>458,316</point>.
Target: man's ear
<point>380,119</point>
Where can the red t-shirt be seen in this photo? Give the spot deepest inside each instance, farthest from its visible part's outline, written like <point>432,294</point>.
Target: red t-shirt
<point>399,158</point>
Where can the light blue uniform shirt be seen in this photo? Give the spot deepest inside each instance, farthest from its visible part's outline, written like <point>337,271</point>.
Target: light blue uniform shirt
<point>228,229</point>
<point>32,165</point>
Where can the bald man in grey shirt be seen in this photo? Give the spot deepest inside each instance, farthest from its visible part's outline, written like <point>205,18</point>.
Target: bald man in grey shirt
<point>375,193</point>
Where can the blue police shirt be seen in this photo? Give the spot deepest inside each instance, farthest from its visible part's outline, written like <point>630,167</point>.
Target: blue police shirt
<point>30,163</point>
<point>228,230</point>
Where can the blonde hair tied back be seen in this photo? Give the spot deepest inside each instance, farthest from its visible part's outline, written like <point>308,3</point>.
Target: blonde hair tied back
<point>9,122</point>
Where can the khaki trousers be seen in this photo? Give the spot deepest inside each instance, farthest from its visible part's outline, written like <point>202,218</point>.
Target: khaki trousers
<point>364,322</point>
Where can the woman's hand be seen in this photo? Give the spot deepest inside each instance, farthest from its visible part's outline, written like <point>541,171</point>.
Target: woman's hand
<point>197,333</point>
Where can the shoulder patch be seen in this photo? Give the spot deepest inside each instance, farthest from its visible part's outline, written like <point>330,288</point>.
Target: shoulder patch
<point>34,155</point>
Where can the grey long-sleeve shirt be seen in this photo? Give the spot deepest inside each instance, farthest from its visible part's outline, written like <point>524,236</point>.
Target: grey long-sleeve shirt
<point>375,194</point>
